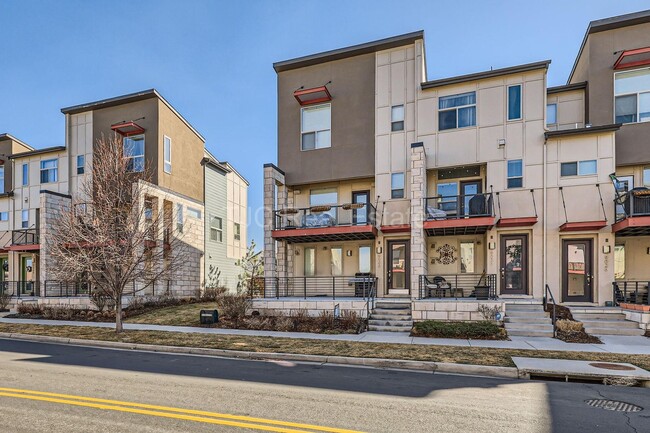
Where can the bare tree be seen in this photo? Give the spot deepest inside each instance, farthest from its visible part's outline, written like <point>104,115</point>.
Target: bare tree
<point>112,235</point>
<point>252,269</point>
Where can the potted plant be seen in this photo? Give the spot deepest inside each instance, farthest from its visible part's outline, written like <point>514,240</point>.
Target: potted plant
<point>481,290</point>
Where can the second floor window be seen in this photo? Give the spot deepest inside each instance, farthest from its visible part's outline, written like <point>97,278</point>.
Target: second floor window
<point>514,102</point>
<point>457,111</point>
<point>315,127</point>
<point>81,164</point>
<point>216,229</point>
<point>397,185</point>
<point>397,118</point>
<point>49,171</point>
<point>179,218</point>
<point>167,154</point>
<point>579,168</point>
<point>237,231</point>
<point>4,216</point>
<point>551,114</point>
<point>133,150</point>
<point>2,179</point>
<point>25,174</point>
<point>515,174</point>
<point>632,96</point>
<point>24,223</point>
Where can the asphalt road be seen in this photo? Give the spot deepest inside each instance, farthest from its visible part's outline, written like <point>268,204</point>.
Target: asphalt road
<point>57,388</point>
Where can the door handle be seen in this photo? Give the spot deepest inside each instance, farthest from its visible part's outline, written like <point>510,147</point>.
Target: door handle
<point>503,272</point>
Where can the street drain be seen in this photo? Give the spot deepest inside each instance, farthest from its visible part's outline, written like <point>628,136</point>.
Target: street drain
<point>617,406</point>
<point>608,366</point>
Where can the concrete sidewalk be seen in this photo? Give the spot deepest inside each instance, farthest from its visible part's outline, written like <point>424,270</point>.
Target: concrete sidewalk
<point>611,344</point>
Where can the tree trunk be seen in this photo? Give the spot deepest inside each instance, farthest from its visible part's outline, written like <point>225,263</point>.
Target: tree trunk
<point>118,314</point>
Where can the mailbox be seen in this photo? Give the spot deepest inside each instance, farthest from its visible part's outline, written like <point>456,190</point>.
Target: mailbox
<point>208,317</point>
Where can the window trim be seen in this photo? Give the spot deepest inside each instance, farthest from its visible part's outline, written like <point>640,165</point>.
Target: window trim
<point>194,212</point>
<point>312,107</point>
<point>236,231</point>
<point>5,213</point>
<point>304,262</point>
<point>83,164</point>
<point>456,108</point>
<point>508,176</point>
<point>144,151</point>
<point>167,163</point>
<point>638,99</point>
<point>521,103</point>
<point>578,163</point>
<point>342,272</point>
<point>403,188</point>
<point>218,230</point>
<point>394,123</point>
<point>25,174</point>
<point>180,220</point>
<point>555,104</point>
<point>55,169</point>
<point>24,223</point>
<point>2,179</point>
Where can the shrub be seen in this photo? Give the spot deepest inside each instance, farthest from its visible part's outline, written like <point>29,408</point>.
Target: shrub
<point>212,294</point>
<point>479,330</point>
<point>58,312</point>
<point>29,309</point>
<point>99,298</point>
<point>489,313</point>
<point>234,306</point>
<point>5,297</point>
<point>350,321</point>
<point>569,326</point>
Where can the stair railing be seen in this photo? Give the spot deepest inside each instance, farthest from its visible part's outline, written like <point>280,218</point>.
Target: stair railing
<point>548,295</point>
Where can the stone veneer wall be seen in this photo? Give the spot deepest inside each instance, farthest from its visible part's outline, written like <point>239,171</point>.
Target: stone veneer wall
<point>51,206</point>
<point>452,310</point>
<point>418,187</point>
<point>272,177</point>
<point>641,317</point>
<point>270,307</point>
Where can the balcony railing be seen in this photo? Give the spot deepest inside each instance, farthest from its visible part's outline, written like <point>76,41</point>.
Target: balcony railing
<point>351,214</point>
<point>357,286</point>
<point>25,237</point>
<point>632,204</point>
<point>444,207</point>
<point>21,289</point>
<point>630,292</point>
<point>469,286</point>
<point>66,289</point>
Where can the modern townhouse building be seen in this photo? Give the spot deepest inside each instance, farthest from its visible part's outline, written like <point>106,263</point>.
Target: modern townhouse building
<point>489,187</point>
<point>155,138</point>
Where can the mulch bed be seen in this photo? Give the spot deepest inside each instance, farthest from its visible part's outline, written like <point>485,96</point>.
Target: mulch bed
<point>577,337</point>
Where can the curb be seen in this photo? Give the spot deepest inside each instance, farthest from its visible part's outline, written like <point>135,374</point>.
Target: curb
<point>426,366</point>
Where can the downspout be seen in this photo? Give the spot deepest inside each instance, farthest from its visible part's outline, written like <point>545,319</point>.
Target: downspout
<point>544,216</point>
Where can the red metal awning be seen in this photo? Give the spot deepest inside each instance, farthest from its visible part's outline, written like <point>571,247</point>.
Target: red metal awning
<point>632,226</point>
<point>311,96</point>
<point>582,226</point>
<point>459,226</point>
<point>397,228</point>
<point>25,247</point>
<point>517,222</point>
<point>326,234</point>
<point>632,58</point>
<point>127,128</point>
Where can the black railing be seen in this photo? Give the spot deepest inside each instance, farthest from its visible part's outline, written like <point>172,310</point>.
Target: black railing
<point>25,237</point>
<point>359,286</point>
<point>635,202</point>
<point>66,289</point>
<point>470,286</point>
<point>351,214</point>
<point>21,289</point>
<point>549,298</point>
<point>444,207</point>
<point>630,292</point>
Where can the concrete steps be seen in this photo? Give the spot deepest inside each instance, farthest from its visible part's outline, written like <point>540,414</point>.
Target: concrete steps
<point>528,320</point>
<point>605,321</point>
<point>391,316</point>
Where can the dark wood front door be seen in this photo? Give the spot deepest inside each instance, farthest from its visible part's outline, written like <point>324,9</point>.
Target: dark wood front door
<point>514,264</point>
<point>577,270</point>
<point>398,268</point>
<point>468,190</point>
<point>360,216</point>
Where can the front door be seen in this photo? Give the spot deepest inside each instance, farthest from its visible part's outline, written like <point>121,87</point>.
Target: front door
<point>360,216</point>
<point>514,264</point>
<point>398,267</point>
<point>468,190</point>
<point>26,275</point>
<point>577,270</point>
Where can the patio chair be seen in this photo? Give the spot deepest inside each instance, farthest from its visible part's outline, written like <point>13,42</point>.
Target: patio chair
<point>439,287</point>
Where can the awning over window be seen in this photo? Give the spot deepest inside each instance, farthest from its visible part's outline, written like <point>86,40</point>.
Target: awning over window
<point>127,128</point>
<point>314,95</point>
<point>632,58</point>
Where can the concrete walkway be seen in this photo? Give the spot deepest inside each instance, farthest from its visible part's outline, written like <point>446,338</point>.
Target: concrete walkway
<point>634,345</point>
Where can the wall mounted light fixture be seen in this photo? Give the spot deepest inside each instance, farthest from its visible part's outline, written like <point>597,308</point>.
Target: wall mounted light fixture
<point>348,253</point>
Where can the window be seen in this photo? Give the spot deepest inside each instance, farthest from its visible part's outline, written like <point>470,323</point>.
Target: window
<point>24,223</point>
<point>515,174</point>
<point>2,179</point>
<point>364,259</point>
<point>619,262</point>
<point>457,111</point>
<point>49,170</point>
<point>551,114</point>
<point>237,231</point>
<point>397,118</point>
<point>316,127</point>
<point>324,197</point>
<point>646,176</point>
<point>397,185</point>
<point>216,229</point>
<point>310,261</point>
<point>81,164</point>
<point>447,193</point>
<point>167,154</point>
<point>337,261</point>
<point>194,213</point>
<point>514,102</point>
<point>133,150</point>
<point>579,168</point>
<point>179,217</point>
<point>4,216</point>
<point>632,96</point>
<point>467,257</point>
<point>25,174</point>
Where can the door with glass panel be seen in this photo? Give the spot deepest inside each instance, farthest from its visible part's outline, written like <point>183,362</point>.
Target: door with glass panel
<point>514,264</point>
<point>577,270</point>
<point>398,269</point>
<point>360,215</point>
<point>469,191</point>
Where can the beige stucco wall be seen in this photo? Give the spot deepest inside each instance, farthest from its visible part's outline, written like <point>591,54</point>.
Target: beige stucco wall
<point>237,212</point>
<point>570,109</point>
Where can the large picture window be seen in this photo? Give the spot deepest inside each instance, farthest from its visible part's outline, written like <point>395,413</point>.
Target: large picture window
<point>457,111</point>
<point>632,96</point>
<point>315,127</point>
<point>134,152</point>
<point>324,197</point>
<point>49,171</point>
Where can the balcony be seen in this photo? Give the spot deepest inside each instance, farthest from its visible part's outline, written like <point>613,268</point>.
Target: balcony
<point>327,287</point>
<point>24,240</point>
<point>459,214</point>
<point>632,213</point>
<point>458,286</point>
<point>347,222</point>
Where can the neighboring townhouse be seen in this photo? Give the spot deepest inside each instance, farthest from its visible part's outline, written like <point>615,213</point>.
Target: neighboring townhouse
<point>156,139</point>
<point>488,187</point>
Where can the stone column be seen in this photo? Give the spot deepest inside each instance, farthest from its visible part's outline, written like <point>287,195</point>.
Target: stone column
<point>273,177</point>
<point>418,186</point>
<point>51,206</point>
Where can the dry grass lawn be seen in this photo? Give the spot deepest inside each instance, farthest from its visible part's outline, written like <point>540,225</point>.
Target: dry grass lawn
<point>460,355</point>
<point>180,315</point>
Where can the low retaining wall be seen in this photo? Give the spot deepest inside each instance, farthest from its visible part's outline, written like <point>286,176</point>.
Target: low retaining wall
<point>641,317</point>
<point>452,310</point>
<point>270,307</point>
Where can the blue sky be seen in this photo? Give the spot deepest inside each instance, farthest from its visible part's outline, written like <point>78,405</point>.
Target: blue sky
<point>213,60</point>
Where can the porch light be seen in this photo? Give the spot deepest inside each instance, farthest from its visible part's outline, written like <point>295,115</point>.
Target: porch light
<point>492,245</point>
<point>606,249</point>
<point>348,253</point>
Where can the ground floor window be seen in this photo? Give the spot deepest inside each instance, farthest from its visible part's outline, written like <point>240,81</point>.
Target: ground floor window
<point>619,262</point>
<point>310,262</point>
<point>364,259</point>
<point>467,257</point>
<point>337,261</point>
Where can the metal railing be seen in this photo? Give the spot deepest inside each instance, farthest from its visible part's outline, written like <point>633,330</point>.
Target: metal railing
<point>635,202</point>
<point>444,207</point>
<point>21,289</point>
<point>470,286</point>
<point>25,237</point>
<point>630,292</point>
<point>548,297</point>
<point>358,286</point>
<point>66,289</point>
<point>351,214</point>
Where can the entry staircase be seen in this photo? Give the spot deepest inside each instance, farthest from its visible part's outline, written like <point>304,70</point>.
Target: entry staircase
<point>605,321</point>
<point>528,320</point>
<point>392,316</point>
